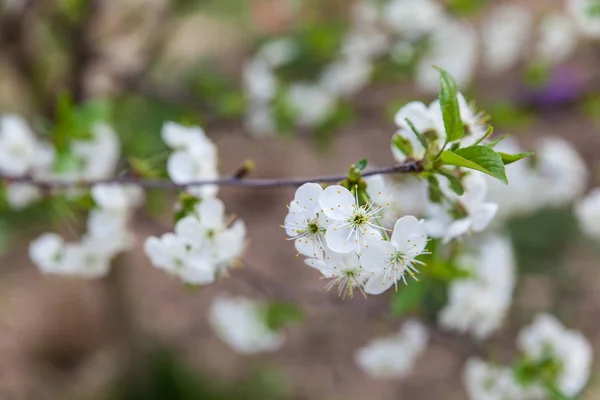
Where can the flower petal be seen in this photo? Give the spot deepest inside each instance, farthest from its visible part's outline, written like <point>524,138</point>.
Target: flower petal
<point>339,239</point>
<point>377,284</point>
<point>211,212</point>
<point>377,255</point>
<point>409,235</point>
<point>483,215</point>
<point>337,202</point>
<point>307,246</point>
<point>457,228</point>
<point>417,113</point>
<point>307,197</point>
<point>190,230</point>
<point>181,167</point>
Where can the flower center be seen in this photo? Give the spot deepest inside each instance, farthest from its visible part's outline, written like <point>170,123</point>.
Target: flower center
<point>313,228</point>
<point>359,218</point>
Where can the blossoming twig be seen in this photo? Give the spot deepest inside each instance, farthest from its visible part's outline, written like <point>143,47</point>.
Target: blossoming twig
<point>406,167</point>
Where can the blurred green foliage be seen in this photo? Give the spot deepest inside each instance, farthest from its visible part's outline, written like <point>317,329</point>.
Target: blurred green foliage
<point>281,313</point>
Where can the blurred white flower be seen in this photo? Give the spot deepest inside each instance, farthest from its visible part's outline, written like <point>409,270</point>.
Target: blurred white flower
<point>242,324</point>
<point>587,212</point>
<point>397,198</point>
<point>99,155</point>
<point>585,16</point>
<point>505,33</point>
<point>484,381</point>
<point>117,197</point>
<point>390,261</point>
<point>344,270</point>
<point>17,146</point>
<point>194,158</point>
<point>479,303</point>
<point>312,103</point>
<point>453,48</point>
<point>277,52</point>
<point>346,76</point>
<point>306,222</point>
<point>21,195</point>
<point>259,81</point>
<point>557,38</point>
<point>394,356</point>
<point>546,339</point>
<point>172,254</point>
<point>259,120</point>
<point>472,120</point>
<point>413,18</point>
<point>424,120</point>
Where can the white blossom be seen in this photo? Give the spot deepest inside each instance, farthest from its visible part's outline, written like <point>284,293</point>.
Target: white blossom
<point>259,81</point>
<point>99,155</point>
<point>194,158</point>
<point>413,18</point>
<point>277,53</point>
<point>405,196</point>
<point>21,195</point>
<point>453,48</point>
<point>547,339</point>
<point>346,76</point>
<point>172,254</point>
<point>587,22</point>
<point>306,222</point>
<point>587,212</point>
<point>116,197</point>
<point>394,356</point>
<point>479,303</point>
<point>17,146</point>
<point>351,223</point>
<point>344,270</point>
<point>242,324</point>
<point>505,32</point>
<point>312,103</point>
<point>390,261</point>
<point>485,381</point>
<point>557,38</point>
<point>424,120</point>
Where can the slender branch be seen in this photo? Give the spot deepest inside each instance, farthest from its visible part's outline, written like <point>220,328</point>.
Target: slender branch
<point>407,167</point>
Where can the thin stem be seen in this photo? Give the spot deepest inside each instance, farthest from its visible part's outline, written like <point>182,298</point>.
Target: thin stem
<point>407,167</point>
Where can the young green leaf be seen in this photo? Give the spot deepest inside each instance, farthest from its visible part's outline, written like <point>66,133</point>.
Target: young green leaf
<point>418,134</point>
<point>449,105</point>
<point>479,158</point>
<point>455,183</point>
<point>403,145</point>
<point>487,134</point>
<point>361,164</point>
<point>435,192</point>
<point>511,158</point>
<point>494,142</point>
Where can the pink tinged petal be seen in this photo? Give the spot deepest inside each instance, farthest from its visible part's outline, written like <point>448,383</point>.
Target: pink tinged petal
<point>190,229</point>
<point>339,239</point>
<point>181,167</point>
<point>211,213</point>
<point>337,202</point>
<point>378,284</point>
<point>307,197</point>
<point>483,215</point>
<point>417,113</point>
<point>377,255</point>
<point>457,228</point>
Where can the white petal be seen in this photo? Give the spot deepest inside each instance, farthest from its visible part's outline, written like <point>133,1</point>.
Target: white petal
<point>337,202</point>
<point>211,213</point>
<point>377,255</point>
<point>191,230</point>
<point>318,264</point>
<point>307,197</point>
<point>483,215</point>
<point>457,228</point>
<point>417,113</point>
<point>181,167</point>
<point>295,221</point>
<point>475,190</point>
<point>409,235</point>
<point>308,247</point>
<point>378,284</point>
<point>339,239</point>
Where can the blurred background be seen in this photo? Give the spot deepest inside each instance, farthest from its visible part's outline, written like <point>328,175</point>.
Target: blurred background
<point>301,88</point>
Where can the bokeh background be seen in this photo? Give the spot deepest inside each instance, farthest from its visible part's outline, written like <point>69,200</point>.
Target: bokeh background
<point>138,334</point>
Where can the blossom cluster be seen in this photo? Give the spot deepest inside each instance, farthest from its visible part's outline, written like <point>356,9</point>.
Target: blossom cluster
<point>420,33</point>
<point>552,357</point>
<point>205,242</point>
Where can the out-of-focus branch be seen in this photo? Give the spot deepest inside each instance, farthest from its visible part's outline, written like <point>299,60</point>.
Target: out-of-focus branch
<point>407,167</point>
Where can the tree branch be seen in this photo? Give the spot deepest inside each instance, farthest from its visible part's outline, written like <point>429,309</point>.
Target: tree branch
<point>407,167</point>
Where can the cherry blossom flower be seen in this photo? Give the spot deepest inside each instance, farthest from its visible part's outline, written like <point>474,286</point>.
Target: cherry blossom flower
<point>306,222</point>
<point>394,356</point>
<point>352,224</point>
<point>17,146</point>
<point>344,270</point>
<point>587,212</point>
<point>312,103</point>
<point>242,324</point>
<point>390,261</point>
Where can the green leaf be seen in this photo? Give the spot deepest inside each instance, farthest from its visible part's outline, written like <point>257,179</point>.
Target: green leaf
<point>495,142</point>
<point>435,192</point>
<point>361,164</point>
<point>479,158</point>
<point>511,158</point>
<point>280,313</point>
<point>407,298</point>
<point>419,135</point>
<point>455,183</point>
<point>403,145</point>
<point>487,134</point>
<point>449,105</point>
